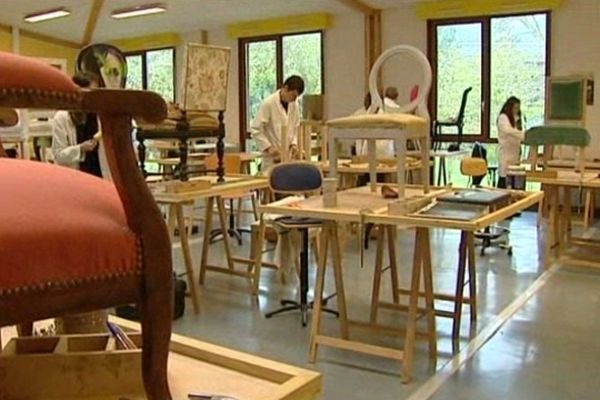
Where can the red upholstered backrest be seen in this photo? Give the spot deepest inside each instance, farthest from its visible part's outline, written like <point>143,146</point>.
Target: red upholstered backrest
<point>19,72</point>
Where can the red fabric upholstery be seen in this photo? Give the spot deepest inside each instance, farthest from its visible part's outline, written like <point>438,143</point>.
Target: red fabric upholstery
<point>25,72</point>
<point>414,92</point>
<point>60,225</point>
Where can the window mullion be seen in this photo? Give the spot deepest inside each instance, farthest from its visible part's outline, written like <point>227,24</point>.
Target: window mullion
<point>486,78</point>
<point>144,70</point>
<point>279,61</point>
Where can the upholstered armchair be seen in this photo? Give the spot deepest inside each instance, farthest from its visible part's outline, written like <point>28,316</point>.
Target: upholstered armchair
<point>71,242</point>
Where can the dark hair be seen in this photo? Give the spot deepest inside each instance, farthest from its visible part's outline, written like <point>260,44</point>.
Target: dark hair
<point>367,101</point>
<point>296,83</point>
<point>507,109</point>
<point>391,93</point>
<point>84,79</point>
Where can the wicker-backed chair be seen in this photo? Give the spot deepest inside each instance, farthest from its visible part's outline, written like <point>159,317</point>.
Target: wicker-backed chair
<point>71,242</point>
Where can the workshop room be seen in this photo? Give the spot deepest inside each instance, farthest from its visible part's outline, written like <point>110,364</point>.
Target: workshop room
<point>299,200</point>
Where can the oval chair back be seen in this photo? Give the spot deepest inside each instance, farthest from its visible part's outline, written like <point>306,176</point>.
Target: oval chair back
<point>295,178</point>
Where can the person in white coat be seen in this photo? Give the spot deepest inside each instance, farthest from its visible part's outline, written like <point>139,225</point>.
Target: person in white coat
<point>74,137</point>
<point>276,111</point>
<point>510,137</point>
<point>390,101</point>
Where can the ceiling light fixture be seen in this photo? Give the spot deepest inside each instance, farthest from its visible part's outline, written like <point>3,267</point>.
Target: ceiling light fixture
<point>46,15</point>
<point>139,11</point>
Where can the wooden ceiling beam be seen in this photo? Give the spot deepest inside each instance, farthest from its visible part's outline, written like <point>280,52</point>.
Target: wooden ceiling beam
<point>92,20</point>
<point>359,5</point>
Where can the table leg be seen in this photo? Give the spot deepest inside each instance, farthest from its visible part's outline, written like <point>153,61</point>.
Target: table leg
<point>377,274</point>
<point>439,171</point>
<point>460,283</point>
<point>183,159</point>
<point>429,296</point>
<point>556,236</point>
<point>409,341</point>
<point>472,276</point>
<point>391,234</point>
<point>223,222</point>
<point>339,281</point>
<point>187,256</point>
<point>210,202</point>
<point>258,255</point>
<point>318,297</point>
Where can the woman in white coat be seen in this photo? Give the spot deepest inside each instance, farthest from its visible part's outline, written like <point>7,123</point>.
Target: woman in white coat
<point>510,137</point>
<point>74,137</point>
<point>278,110</point>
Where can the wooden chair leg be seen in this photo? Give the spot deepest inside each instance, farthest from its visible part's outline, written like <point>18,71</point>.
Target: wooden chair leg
<point>25,329</point>
<point>587,209</point>
<point>156,317</point>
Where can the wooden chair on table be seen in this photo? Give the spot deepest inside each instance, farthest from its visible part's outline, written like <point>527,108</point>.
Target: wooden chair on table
<point>297,179</point>
<point>73,243</point>
<point>233,166</point>
<point>475,167</point>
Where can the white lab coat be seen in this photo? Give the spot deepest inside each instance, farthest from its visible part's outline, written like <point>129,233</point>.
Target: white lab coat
<point>509,145</point>
<point>266,126</point>
<point>389,103</point>
<point>65,149</point>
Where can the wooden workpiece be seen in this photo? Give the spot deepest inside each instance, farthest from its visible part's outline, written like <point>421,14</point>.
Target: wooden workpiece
<point>194,366</point>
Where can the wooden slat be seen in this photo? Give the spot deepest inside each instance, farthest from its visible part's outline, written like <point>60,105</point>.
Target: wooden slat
<point>360,347</point>
<point>92,20</point>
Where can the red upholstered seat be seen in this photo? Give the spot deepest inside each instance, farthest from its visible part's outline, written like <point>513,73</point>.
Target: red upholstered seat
<point>60,226</point>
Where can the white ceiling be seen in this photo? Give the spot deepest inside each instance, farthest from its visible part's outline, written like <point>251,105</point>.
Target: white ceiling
<point>182,15</point>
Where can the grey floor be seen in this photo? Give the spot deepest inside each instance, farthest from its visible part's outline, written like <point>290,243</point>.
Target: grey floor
<point>550,337</point>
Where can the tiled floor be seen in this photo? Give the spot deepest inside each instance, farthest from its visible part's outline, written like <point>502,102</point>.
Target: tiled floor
<point>229,316</point>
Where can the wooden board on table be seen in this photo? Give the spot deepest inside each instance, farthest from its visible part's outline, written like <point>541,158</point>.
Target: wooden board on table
<point>232,184</point>
<point>187,186</point>
<point>197,366</point>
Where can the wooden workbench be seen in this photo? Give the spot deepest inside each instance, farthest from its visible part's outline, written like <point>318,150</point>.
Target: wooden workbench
<point>561,243</point>
<point>176,202</point>
<point>364,206</point>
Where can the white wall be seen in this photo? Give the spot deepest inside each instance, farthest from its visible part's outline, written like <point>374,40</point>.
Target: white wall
<point>345,65</point>
<point>576,50</point>
<point>344,70</point>
<point>401,26</point>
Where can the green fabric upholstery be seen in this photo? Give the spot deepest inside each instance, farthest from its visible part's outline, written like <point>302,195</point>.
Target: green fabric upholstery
<point>557,135</point>
<point>566,100</point>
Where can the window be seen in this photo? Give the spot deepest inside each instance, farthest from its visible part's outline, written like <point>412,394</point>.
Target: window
<point>152,70</point>
<point>497,57</point>
<point>267,61</point>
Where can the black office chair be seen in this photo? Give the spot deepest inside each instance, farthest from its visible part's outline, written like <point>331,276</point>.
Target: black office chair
<point>298,178</point>
<point>457,122</point>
